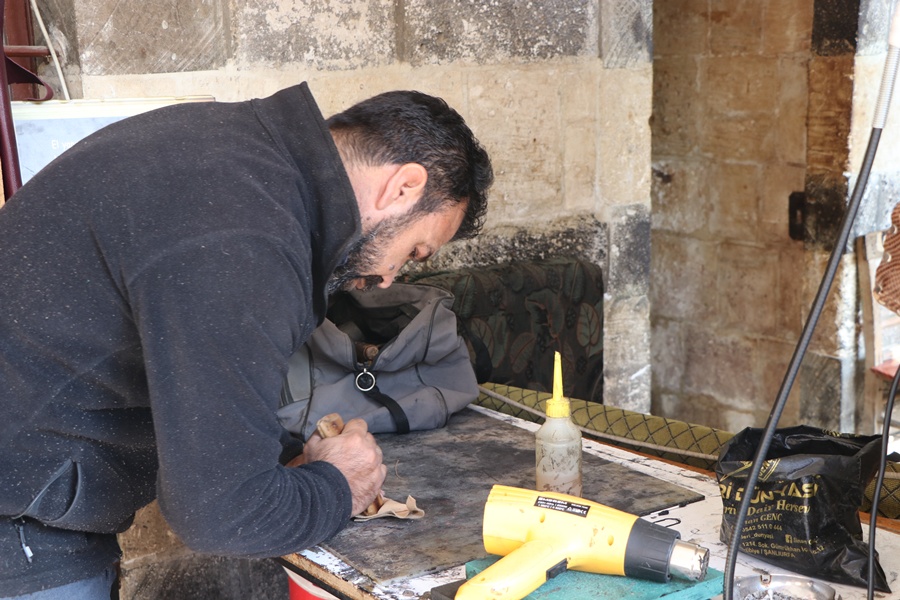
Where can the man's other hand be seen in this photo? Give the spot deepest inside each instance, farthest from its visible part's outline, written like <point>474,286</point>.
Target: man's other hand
<point>356,454</point>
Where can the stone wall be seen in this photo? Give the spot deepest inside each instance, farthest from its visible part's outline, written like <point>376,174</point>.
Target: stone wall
<point>755,102</point>
<point>558,91</point>
<point>729,146</point>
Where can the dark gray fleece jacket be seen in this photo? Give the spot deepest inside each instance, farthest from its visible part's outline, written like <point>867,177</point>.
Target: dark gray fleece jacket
<point>154,280</point>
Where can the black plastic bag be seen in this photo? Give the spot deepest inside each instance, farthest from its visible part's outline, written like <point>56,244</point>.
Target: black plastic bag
<point>804,514</point>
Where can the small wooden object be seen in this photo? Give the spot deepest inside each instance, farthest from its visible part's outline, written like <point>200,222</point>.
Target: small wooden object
<point>331,425</point>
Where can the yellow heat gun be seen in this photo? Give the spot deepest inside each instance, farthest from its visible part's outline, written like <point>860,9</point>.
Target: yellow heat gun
<point>542,534</point>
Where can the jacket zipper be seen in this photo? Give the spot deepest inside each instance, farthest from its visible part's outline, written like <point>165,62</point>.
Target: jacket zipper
<point>26,549</point>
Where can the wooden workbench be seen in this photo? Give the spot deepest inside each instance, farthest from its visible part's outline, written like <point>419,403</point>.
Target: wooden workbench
<point>697,518</point>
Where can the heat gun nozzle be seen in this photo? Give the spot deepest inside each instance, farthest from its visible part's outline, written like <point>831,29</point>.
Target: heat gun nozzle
<point>688,561</point>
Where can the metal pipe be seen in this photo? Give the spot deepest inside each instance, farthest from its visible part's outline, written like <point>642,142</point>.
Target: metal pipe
<point>26,51</point>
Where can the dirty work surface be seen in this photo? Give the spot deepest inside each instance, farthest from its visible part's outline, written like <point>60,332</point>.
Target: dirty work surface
<point>450,472</point>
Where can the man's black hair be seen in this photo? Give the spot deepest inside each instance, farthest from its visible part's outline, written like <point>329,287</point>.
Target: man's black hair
<point>402,127</point>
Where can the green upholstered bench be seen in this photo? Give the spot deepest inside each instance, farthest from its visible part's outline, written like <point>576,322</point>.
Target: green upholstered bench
<point>516,315</point>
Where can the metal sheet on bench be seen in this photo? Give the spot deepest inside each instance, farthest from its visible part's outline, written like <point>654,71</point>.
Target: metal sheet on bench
<point>450,472</point>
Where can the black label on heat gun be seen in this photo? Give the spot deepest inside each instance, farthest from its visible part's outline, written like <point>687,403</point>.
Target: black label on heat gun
<point>565,506</point>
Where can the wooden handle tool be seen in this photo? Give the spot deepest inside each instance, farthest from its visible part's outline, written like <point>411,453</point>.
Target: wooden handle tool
<point>331,425</point>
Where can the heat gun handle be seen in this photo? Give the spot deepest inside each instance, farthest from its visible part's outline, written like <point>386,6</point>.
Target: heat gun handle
<point>517,574</point>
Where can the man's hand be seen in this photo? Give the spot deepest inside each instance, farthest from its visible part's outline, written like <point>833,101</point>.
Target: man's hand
<point>356,455</point>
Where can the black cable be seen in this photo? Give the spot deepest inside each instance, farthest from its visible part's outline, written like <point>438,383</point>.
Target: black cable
<point>882,467</point>
<point>888,78</point>
<point>797,358</point>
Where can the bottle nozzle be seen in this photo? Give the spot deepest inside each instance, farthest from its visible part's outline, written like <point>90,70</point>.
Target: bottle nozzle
<point>558,405</point>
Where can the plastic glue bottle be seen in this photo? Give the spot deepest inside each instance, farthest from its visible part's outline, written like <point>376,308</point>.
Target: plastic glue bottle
<point>558,444</point>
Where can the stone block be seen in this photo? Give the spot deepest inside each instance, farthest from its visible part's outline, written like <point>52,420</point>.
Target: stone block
<point>626,33</point>
<point>624,136</point>
<point>519,116</point>
<point>835,333</point>
<point>579,111</point>
<point>578,235</point>
<point>747,290</point>
<point>771,364</point>
<point>684,277</point>
<point>735,27</point>
<point>787,26</point>
<point>693,408</point>
<point>677,106</point>
<point>580,166</point>
<point>667,350</point>
<point>740,84</point>
<point>809,273</point>
<point>794,297</point>
<point>825,205</point>
<point>442,31</point>
<point>337,90</point>
<point>792,108</point>
<point>716,365</point>
<point>830,107</point>
<point>680,200</point>
<point>820,383</point>
<point>735,420</point>
<point>664,403</point>
<point>740,138</point>
<point>323,34</point>
<point>116,38</point>
<point>734,190</point>
<point>690,18</point>
<point>629,251</point>
<point>835,28</point>
<point>626,353</point>
<point>578,83</point>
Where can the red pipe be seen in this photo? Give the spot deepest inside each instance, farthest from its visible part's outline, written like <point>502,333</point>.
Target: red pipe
<point>9,153</point>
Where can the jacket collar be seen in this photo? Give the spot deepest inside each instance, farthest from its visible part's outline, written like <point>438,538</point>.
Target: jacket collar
<point>329,204</point>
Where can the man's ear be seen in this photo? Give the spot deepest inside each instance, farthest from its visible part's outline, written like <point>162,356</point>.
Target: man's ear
<point>403,189</point>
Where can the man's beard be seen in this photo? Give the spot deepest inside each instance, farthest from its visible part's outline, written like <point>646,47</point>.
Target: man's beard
<point>366,253</point>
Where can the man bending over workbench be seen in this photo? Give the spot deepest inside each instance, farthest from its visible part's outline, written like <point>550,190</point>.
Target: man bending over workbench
<point>155,279</point>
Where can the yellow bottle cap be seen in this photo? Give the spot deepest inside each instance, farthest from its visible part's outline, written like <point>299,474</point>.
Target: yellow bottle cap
<point>558,408</point>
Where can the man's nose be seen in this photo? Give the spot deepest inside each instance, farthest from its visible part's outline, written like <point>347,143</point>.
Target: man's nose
<point>386,282</point>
